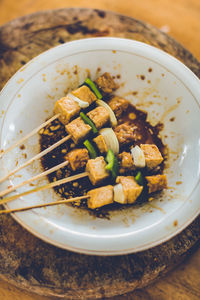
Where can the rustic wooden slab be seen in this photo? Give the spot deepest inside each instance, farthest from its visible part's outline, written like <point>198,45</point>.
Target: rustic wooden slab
<point>28,262</point>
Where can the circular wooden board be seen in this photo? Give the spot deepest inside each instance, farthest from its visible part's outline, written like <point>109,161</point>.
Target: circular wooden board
<point>28,262</point>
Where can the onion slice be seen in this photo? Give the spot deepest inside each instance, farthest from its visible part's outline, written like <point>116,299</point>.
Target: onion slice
<point>119,194</point>
<point>138,157</point>
<point>113,119</point>
<point>81,103</point>
<point>110,139</point>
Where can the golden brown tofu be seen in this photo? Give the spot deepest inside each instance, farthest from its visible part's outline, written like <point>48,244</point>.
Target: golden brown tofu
<point>124,133</point>
<point>67,108</point>
<point>77,158</point>
<point>118,105</point>
<point>101,144</point>
<point>99,116</point>
<point>130,188</point>
<point>106,83</point>
<point>100,197</point>
<point>84,94</point>
<point>156,183</point>
<point>78,130</point>
<point>96,170</point>
<point>153,157</point>
<point>126,161</point>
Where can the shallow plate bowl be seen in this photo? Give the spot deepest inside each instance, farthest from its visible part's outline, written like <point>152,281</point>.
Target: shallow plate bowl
<point>153,81</point>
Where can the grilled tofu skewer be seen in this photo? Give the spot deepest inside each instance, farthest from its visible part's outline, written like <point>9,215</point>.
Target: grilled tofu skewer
<point>126,191</point>
<point>97,171</point>
<point>100,196</point>
<point>107,138</point>
<point>68,107</point>
<point>77,130</point>
<point>65,109</point>
<point>71,159</point>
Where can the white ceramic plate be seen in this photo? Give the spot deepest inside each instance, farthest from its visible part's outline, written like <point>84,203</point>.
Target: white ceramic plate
<point>169,93</point>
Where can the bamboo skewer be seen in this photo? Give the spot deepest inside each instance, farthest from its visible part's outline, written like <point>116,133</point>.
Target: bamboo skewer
<point>45,187</point>
<point>45,173</point>
<point>43,205</point>
<point>39,155</point>
<point>23,139</point>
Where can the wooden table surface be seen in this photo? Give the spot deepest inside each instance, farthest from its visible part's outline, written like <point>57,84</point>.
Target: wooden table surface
<point>180,19</point>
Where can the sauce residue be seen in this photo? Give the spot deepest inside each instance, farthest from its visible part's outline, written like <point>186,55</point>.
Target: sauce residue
<point>56,131</point>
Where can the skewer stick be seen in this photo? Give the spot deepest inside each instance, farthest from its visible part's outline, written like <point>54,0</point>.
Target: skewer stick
<point>45,187</point>
<point>34,131</point>
<point>42,205</point>
<point>44,152</point>
<point>45,173</point>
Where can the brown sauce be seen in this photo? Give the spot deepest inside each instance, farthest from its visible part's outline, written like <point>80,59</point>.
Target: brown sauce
<point>55,131</point>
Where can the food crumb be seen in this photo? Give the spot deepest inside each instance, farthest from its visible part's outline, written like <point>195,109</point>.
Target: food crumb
<point>22,147</point>
<point>75,184</point>
<point>20,80</point>
<point>113,51</point>
<point>172,119</point>
<point>175,223</point>
<point>76,70</point>
<point>150,70</point>
<point>148,81</point>
<point>132,116</point>
<point>134,93</point>
<point>178,182</point>
<point>142,77</point>
<point>64,150</point>
<point>44,77</point>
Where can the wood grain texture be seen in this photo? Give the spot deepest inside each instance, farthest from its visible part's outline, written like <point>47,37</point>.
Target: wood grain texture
<point>180,17</point>
<point>61,273</point>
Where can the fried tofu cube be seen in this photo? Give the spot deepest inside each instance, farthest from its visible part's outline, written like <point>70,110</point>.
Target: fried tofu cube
<point>118,105</point>
<point>100,197</point>
<point>131,189</point>
<point>84,94</point>
<point>78,130</point>
<point>67,108</point>
<point>99,116</point>
<point>96,169</point>
<point>124,133</point>
<point>153,157</point>
<point>156,183</point>
<point>106,83</point>
<point>77,158</point>
<point>101,144</point>
<point>126,161</point>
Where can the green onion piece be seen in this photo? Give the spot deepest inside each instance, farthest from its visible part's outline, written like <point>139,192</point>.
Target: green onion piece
<point>139,178</point>
<point>112,165</point>
<point>89,122</point>
<point>93,87</point>
<point>90,148</point>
